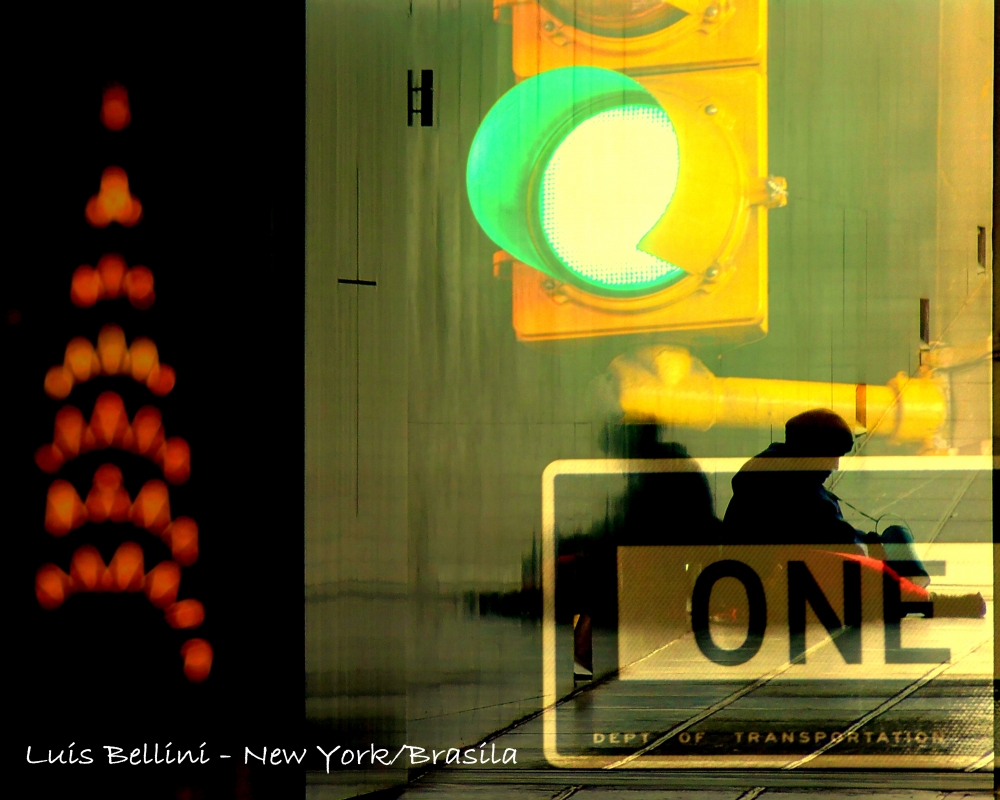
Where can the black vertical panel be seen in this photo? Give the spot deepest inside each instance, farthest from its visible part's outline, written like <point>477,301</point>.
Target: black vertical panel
<point>426,97</point>
<point>214,152</point>
<point>420,98</point>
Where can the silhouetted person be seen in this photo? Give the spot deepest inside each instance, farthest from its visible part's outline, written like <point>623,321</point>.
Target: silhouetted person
<point>779,496</point>
<point>657,508</point>
<point>672,507</point>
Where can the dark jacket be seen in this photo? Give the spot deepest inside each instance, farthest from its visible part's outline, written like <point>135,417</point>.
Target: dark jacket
<point>784,506</point>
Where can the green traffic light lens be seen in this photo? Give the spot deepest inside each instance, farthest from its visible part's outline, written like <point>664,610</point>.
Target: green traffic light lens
<point>606,184</point>
<point>569,171</point>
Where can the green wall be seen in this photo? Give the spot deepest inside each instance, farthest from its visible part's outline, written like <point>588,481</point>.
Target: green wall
<point>428,425</point>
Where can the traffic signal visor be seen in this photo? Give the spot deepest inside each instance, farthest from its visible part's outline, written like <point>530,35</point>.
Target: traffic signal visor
<point>633,198</point>
<point>568,172</point>
<point>635,36</point>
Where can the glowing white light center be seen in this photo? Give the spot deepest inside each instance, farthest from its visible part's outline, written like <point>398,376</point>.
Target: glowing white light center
<point>606,185</point>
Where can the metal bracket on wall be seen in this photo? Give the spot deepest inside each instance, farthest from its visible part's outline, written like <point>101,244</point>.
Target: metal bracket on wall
<point>426,98</point>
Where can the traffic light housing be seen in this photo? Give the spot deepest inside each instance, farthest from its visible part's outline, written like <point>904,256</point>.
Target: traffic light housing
<point>636,36</point>
<point>626,173</point>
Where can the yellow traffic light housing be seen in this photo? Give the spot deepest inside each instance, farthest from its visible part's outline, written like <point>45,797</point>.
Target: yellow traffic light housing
<point>636,36</point>
<point>702,64</point>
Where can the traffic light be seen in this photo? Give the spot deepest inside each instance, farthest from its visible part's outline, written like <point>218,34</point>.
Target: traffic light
<point>625,175</point>
<point>636,35</point>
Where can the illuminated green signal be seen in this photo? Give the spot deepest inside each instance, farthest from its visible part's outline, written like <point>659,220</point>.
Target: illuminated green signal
<point>605,186</point>
<point>569,170</point>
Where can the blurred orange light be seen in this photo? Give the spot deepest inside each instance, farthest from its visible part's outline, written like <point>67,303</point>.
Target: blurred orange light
<point>111,269</point>
<point>185,614</point>
<point>182,537</point>
<point>162,583</point>
<point>176,460</point>
<point>139,287</point>
<point>87,569</point>
<point>51,586</point>
<point>151,509</point>
<point>109,422</point>
<point>64,510</point>
<point>125,572</point>
<point>110,280</point>
<point>197,655</point>
<point>86,288</point>
<point>108,476</point>
<point>109,428</point>
<point>71,435</point>
<point>58,382</point>
<point>83,362</point>
<point>115,111</point>
<point>147,428</point>
<point>113,202</point>
<point>81,359</point>
<point>108,498</point>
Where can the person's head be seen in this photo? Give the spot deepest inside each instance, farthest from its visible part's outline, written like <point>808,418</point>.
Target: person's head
<point>819,434</point>
<point>683,489</point>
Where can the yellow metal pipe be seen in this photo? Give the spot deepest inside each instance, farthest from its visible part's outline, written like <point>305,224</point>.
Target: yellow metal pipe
<point>669,386</point>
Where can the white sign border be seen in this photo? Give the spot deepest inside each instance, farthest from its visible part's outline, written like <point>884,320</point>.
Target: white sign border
<point>624,466</point>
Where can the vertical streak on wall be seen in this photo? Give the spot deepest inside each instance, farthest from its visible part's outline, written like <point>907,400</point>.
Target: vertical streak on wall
<point>356,370</point>
<point>991,263</point>
<point>961,307</point>
<point>966,144</point>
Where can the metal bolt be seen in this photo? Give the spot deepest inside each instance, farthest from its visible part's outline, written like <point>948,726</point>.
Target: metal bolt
<point>711,12</point>
<point>548,285</point>
<point>711,109</point>
<point>549,26</point>
<point>712,272</point>
<point>777,191</point>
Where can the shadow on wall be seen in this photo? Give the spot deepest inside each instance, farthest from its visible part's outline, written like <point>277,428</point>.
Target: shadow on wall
<point>662,508</point>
